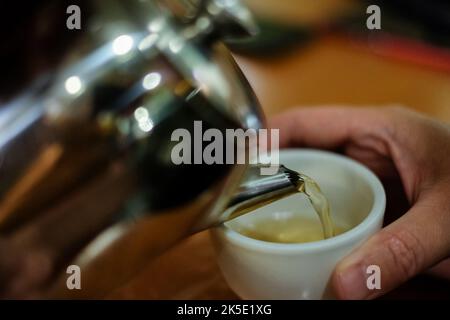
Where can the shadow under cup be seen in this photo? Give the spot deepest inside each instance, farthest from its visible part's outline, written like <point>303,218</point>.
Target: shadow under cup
<point>257,269</point>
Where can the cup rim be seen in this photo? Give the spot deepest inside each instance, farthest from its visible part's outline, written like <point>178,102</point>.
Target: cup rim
<point>375,215</point>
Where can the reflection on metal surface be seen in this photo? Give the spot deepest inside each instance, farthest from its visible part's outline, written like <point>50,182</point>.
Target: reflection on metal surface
<point>156,25</point>
<point>122,45</point>
<point>151,81</point>
<point>143,118</point>
<point>73,85</point>
<point>148,42</point>
<point>176,45</point>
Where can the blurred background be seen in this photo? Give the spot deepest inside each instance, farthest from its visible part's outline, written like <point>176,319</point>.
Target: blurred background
<point>330,57</point>
<point>309,53</point>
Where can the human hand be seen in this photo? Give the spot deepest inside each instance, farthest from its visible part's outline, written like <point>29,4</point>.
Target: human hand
<point>396,144</point>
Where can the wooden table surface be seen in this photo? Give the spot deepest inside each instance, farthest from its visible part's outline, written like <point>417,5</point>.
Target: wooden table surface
<point>330,71</point>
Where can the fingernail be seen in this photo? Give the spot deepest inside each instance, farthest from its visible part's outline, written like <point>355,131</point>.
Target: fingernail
<point>351,283</point>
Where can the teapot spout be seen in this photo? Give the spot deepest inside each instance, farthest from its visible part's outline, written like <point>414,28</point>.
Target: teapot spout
<point>257,190</point>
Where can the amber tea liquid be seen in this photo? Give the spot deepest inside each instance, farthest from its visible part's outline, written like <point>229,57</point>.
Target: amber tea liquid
<point>297,228</point>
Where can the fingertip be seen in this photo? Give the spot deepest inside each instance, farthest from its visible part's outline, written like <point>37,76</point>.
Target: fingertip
<point>349,282</point>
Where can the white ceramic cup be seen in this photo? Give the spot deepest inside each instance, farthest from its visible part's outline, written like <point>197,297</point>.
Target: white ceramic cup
<point>257,269</point>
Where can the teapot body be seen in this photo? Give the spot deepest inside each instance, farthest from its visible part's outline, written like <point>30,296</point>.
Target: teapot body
<point>88,169</point>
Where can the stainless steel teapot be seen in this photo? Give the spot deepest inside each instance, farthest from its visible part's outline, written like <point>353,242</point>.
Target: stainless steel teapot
<point>86,172</point>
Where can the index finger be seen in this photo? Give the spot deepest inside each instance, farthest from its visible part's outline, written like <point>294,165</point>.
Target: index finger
<point>327,127</point>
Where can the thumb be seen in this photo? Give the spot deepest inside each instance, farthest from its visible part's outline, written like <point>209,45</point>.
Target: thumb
<point>405,248</point>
